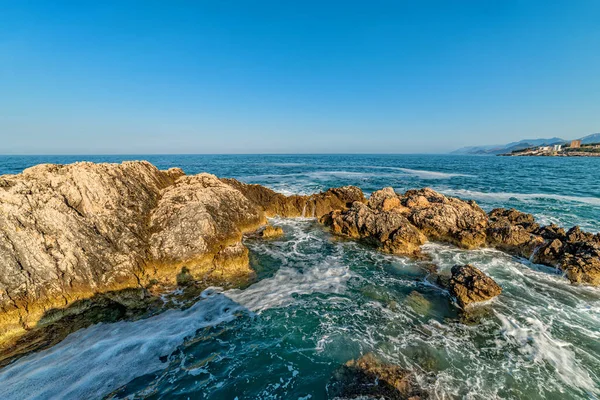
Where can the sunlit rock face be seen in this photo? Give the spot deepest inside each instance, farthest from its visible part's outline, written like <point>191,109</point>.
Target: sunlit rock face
<point>70,232</point>
<point>401,223</point>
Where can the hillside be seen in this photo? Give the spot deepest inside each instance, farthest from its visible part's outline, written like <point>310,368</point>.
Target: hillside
<point>520,145</point>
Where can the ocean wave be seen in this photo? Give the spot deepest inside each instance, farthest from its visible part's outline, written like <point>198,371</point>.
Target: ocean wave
<point>424,174</point>
<point>525,197</point>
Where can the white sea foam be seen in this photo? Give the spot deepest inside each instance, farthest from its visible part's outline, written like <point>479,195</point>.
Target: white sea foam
<point>424,174</point>
<point>95,361</point>
<point>288,283</point>
<point>526,197</point>
<point>536,343</point>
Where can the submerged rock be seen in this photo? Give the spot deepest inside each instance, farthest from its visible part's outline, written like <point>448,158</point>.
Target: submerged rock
<point>418,303</point>
<point>369,377</point>
<point>469,285</point>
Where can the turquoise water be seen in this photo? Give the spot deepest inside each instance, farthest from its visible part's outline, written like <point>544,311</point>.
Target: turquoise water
<point>321,301</point>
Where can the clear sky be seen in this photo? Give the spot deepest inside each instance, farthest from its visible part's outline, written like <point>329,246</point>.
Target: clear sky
<point>81,77</point>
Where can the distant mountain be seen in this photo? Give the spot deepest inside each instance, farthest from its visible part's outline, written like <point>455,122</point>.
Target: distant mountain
<point>507,148</point>
<point>523,144</point>
<point>593,138</point>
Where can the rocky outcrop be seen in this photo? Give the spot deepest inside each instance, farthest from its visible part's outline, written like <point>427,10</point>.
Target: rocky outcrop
<point>370,378</point>
<point>68,232</point>
<point>513,231</point>
<point>469,285</point>
<point>316,205</point>
<point>72,232</point>
<point>446,219</point>
<point>400,224</point>
<point>575,252</point>
<point>390,230</point>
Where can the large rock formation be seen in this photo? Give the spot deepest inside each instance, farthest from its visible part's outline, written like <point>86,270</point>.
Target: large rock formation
<point>469,285</point>
<point>70,232</point>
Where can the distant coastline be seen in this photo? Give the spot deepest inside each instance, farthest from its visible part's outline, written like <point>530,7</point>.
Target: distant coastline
<point>573,149</point>
<point>528,147</point>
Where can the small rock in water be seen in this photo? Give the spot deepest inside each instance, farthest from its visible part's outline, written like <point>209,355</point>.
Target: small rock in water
<point>469,285</point>
<point>271,231</point>
<point>369,377</point>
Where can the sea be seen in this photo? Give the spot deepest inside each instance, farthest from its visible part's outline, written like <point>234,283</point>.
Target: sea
<point>320,300</point>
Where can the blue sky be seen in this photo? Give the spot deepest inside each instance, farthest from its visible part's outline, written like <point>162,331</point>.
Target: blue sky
<point>310,77</point>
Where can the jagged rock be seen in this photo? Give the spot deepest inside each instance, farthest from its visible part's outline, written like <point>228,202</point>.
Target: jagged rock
<point>575,252</point>
<point>469,285</point>
<point>316,205</point>
<point>512,231</point>
<point>550,253</point>
<point>551,232</point>
<point>271,231</point>
<point>369,377</point>
<point>386,199</point>
<point>503,216</point>
<point>389,230</point>
<point>401,224</point>
<point>446,219</point>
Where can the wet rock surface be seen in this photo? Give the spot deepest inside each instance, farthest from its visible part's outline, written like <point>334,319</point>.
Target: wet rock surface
<point>390,230</point>
<point>370,378</point>
<point>469,285</point>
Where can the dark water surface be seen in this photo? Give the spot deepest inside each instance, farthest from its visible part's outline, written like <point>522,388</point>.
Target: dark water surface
<point>321,301</point>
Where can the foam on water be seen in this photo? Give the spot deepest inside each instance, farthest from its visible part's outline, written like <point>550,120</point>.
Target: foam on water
<point>501,196</point>
<point>423,174</point>
<point>93,362</point>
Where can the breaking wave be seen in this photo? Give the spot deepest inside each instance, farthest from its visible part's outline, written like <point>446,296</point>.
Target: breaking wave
<point>525,197</point>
